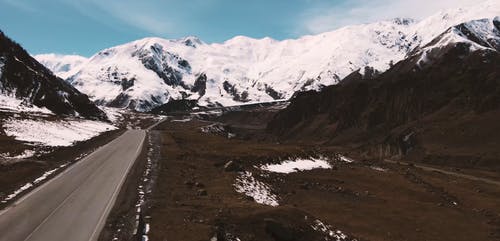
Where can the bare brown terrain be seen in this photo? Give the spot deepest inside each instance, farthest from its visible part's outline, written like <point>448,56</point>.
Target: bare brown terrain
<point>408,154</point>
<point>194,196</point>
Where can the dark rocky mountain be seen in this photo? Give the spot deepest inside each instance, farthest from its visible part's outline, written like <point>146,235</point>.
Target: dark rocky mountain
<point>440,104</point>
<point>175,106</point>
<point>25,78</point>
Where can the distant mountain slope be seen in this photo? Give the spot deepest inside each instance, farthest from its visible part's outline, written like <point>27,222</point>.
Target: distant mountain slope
<point>62,66</point>
<point>147,73</point>
<point>443,100</point>
<point>22,77</point>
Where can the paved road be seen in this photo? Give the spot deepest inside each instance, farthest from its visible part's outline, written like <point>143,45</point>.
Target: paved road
<point>74,205</point>
<point>456,174</point>
<point>157,123</point>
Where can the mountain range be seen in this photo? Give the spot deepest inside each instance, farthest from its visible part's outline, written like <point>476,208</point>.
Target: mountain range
<point>441,104</point>
<point>150,72</point>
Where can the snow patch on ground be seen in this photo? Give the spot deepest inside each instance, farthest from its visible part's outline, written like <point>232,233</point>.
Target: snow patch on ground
<point>345,159</point>
<point>143,191</point>
<point>259,191</point>
<point>24,155</point>
<point>17,192</point>
<point>219,129</point>
<point>380,169</point>
<point>11,104</point>
<point>215,128</point>
<point>331,233</point>
<point>54,133</point>
<point>44,176</point>
<point>182,120</point>
<point>297,165</point>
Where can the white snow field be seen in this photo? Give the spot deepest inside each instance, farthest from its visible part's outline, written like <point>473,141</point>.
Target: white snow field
<point>298,164</point>
<point>259,191</point>
<point>54,133</point>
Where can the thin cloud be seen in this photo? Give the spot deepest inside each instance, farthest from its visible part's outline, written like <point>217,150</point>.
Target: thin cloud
<point>142,15</point>
<point>326,18</point>
<point>21,4</point>
<point>139,14</point>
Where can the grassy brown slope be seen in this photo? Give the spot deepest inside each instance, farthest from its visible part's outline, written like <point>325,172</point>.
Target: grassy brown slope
<point>403,203</point>
<point>447,109</point>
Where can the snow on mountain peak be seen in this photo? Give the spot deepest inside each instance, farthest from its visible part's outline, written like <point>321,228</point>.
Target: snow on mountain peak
<point>404,21</point>
<point>244,40</point>
<point>61,65</point>
<point>149,72</point>
<point>481,34</point>
<point>192,41</point>
<point>429,28</point>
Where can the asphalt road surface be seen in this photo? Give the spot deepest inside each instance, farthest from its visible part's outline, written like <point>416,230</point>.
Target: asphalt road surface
<point>74,205</point>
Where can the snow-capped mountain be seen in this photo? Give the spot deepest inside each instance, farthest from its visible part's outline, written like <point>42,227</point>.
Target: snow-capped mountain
<point>63,66</point>
<point>429,28</point>
<point>147,73</point>
<point>482,34</point>
<point>25,79</point>
<point>444,81</point>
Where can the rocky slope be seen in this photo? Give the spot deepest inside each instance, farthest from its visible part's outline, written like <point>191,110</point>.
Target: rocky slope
<point>147,73</point>
<point>23,78</point>
<point>443,101</point>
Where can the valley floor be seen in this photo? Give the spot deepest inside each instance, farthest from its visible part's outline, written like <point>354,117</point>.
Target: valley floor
<point>195,194</point>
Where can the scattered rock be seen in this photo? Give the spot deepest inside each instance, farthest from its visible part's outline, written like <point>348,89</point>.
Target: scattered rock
<point>305,186</point>
<point>232,166</point>
<point>278,231</point>
<point>202,192</point>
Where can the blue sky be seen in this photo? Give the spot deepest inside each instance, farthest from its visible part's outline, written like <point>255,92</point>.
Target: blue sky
<point>86,26</point>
